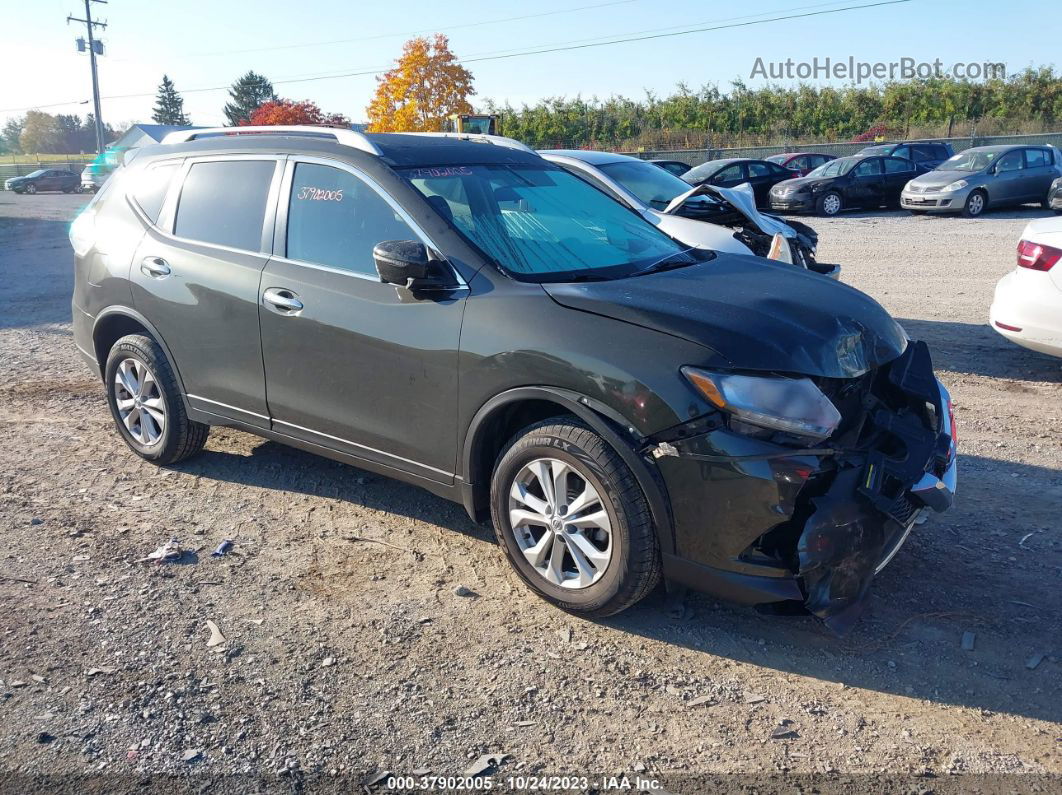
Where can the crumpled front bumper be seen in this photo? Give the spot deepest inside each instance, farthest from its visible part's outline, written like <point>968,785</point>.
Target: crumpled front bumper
<point>760,523</point>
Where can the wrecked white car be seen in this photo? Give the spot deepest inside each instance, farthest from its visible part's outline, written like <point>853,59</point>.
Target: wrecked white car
<point>705,216</point>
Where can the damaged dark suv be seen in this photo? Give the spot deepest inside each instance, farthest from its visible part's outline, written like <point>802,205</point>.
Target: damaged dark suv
<point>456,312</point>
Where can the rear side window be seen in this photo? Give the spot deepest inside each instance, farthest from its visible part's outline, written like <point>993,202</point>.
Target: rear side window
<point>894,165</point>
<point>759,170</point>
<point>926,152</point>
<point>151,188</point>
<point>224,202</point>
<point>335,219</point>
<point>1036,158</point>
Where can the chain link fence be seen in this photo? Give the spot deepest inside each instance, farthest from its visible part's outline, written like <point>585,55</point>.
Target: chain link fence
<point>695,157</point>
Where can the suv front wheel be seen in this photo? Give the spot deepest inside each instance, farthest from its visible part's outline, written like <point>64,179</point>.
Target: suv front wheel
<point>573,521</point>
<point>146,403</point>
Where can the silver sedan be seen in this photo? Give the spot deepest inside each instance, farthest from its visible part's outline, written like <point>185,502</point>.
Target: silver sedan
<point>983,177</point>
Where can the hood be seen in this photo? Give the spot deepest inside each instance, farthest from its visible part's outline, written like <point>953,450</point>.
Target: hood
<point>754,314</point>
<point>743,199</point>
<point>942,178</point>
<point>803,182</point>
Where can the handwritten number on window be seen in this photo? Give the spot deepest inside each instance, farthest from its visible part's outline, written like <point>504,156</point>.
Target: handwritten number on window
<point>320,194</point>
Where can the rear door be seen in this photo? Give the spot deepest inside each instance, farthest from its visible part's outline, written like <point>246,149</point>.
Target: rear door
<point>898,172</point>
<point>1039,173</point>
<point>353,364</point>
<point>867,187</point>
<point>196,274</point>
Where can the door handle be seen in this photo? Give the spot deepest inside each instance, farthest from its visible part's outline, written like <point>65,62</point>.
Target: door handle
<point>282,300</point>
<point>155,267</point>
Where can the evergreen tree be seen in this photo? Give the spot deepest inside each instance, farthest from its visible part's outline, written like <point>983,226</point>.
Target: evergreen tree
<point>248,94</point>
<point>169,105</point>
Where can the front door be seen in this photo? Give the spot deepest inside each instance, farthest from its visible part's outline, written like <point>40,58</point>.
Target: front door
<point>866,188</point>
<point>353,364</point>
<point>1008,186</point>
<point>199,284</point>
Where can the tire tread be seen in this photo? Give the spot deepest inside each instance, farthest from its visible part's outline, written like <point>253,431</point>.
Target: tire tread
<point>644,562</point>
<point>190,435</point>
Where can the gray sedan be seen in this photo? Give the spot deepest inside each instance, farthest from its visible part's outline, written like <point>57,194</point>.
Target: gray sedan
<point>983,177</point>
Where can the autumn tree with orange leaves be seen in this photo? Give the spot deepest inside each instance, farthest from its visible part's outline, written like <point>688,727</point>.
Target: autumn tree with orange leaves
<point>425,87</point>
<point>286,111</point>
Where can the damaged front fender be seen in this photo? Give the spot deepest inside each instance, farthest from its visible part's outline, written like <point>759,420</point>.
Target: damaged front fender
<point>829,518</point>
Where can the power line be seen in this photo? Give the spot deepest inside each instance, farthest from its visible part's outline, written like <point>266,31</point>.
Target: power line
<point>510,50</point>
<point>561,47</point>
<point>442,29</point>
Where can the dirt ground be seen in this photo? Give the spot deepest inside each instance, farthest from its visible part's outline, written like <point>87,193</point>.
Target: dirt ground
<point>348,653</point>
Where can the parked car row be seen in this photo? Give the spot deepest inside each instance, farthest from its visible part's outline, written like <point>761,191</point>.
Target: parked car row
<point>462,313</point>
<point>44,179</point>
<point>920,176</point>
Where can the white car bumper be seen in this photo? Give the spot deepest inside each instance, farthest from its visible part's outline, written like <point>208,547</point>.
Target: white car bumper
<point>1027,310</point>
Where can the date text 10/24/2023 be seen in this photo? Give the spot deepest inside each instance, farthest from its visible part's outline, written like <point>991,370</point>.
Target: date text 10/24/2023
<point>528,783</point>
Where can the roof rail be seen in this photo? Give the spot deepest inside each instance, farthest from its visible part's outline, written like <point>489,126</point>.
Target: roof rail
<point>497,140</point>
<point>342,135</point>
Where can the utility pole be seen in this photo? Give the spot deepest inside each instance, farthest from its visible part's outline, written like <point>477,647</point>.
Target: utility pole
<point>92,44</point>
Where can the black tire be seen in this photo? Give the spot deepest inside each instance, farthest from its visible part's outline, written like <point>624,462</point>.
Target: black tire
<point>828,209</point>
<point>180,437</point>
<point>634,567</point>
<point>31,189</point>
<point>975,207</point>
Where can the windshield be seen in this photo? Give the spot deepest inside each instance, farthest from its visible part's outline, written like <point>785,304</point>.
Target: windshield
<point>877,150</point>
<point>704,170</point>
<point>779,159</point>
<point>543,224</point>
<point>651,184</point>
<point>36,173</point>
<point>970,160</point>
<point>835,168</point>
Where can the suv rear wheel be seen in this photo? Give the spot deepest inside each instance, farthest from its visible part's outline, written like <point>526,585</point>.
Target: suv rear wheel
<point>146,403</point>
<point>572,519</point>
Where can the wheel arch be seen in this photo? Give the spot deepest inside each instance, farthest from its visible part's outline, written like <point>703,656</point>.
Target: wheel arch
<point>114,323</point>
<point>501,417</point>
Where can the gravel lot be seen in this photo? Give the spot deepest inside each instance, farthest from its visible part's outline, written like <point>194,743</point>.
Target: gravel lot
<point>347,651</point>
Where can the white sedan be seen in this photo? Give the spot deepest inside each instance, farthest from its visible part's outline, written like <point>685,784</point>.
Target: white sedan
<point>1028,305</point>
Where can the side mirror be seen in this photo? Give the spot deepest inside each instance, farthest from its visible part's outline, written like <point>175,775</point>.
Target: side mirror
<point>406,263</point>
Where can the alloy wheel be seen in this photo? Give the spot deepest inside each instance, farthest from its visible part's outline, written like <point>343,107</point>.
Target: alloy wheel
<point>975,204</point>
<point>139,400</point>
<point>560,523</point>
<point>831,205</point>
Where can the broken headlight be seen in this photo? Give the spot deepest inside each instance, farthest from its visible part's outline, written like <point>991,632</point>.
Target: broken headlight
<point>792,405</point>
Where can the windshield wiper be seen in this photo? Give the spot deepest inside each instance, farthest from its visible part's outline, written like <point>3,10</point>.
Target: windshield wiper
<point>665,264</point>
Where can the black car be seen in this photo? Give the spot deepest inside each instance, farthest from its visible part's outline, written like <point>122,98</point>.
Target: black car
<point>925,154</point>
<point>760,174</point>
<point>461,314</point>
<point>45,179</point>
<point>859,181</point>
<point>676,167</point>
<point>1054,196</point>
